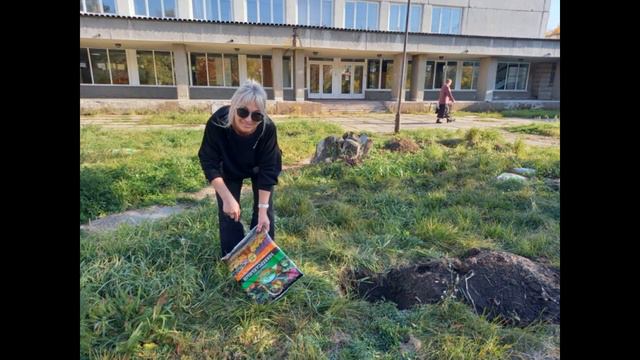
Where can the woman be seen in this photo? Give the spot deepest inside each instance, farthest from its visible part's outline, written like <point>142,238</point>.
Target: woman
<point>444,106</point>
<point>240,141</point>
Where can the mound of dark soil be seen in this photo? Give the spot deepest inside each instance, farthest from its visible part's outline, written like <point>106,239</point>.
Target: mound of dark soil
<point>499,284</point>
<point>402,145</point>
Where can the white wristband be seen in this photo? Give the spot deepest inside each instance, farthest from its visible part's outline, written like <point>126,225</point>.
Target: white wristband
<point>263,206</point>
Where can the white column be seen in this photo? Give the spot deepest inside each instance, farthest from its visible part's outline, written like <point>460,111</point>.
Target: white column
<point>338,13</point>
<point>299,75</point>
<point>132,67</point>
<point>125,7</point>
<point>419,67</point>
<point>185,9</point>
<point>384,15</point>
<point>426,18</point>
<point>242,68</point>
<point>239,10</point>
<point>276,70</point>
<point>397,75</point>
<point>182,71</point>
<point>291,11</point>
<point>487,79</point>
<point>465,20</point>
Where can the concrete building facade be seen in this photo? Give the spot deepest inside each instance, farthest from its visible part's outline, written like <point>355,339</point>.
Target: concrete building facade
<point>317,49</point>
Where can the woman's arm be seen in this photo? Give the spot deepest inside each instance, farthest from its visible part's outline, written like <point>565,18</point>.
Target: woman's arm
<point>270,160</point>
<point>209,153</point>
<point>229,204</point>
<point>210,161</point>
<point>263,219</point>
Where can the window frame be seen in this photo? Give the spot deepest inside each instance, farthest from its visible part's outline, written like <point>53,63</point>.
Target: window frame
<point>291,72</point>
<point>401,22</point>
<point>204,5</point>
<point>435,66</point>
<point>155,68</point>
<point>366,74</point>
<point>206,60</point>
<point>457,85</point>
<point>308,8</point>
<point>461,73</point>
<point>461,10</point>
<point>259,20</point>
<point>526,84</point>
<point>355,15</point>
<point>90,64</point>
<point>115,10</point>
<point>164,16</point>
<point>261,69</point>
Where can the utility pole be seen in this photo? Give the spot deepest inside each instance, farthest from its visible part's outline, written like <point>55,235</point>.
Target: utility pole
<point>404,60</point>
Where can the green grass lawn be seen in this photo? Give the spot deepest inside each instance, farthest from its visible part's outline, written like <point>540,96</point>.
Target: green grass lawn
<point>125,169</point>
<point>545,129</point>
<point>177,118</point>
<point>518,113</point>
<point>160,291</point>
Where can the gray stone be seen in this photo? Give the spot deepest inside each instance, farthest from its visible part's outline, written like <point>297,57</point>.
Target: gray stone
<point>525,171</point>
<point>509,176</point>
<point>350,148</point>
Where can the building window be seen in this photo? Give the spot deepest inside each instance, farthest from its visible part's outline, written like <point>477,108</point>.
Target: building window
<point>156,8</point>
<point>315,12</point>
<point>85,67</point>
<point>361,15</point>
<point>231,70</point>
<point>407,79</point>
<point>446,20</point>
<point>265,11</point>
<point>287,72</point>
<point>100,66</point>
<point>386,74</point>
<point>470,72</point>
<point>212,10</point>
<point>373,74</point>
<point>118,66</point>
<point>398,14</point>
<point>379,74</point>
<point>214,69</point>
<point>155,67</point>
<point>103,66</point>
<point>98,6</point>
<point>259,69</point>
<point>437,72</point>
<point>512,76</point>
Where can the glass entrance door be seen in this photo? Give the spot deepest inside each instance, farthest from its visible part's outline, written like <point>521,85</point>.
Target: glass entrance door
<point>320,79</point>
<point>351,81</point>
<point>336,79</point>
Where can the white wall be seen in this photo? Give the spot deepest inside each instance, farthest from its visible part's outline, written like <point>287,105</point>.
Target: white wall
<point>506,18</point>
<point>503,23</point>
<point>527,5</point>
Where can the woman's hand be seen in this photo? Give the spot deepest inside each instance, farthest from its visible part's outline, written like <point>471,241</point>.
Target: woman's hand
<point>231,208</point>
<point>263,221</point>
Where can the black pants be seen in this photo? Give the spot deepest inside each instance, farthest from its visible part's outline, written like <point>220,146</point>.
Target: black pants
<point>443,111</point>
<point>231,232</point>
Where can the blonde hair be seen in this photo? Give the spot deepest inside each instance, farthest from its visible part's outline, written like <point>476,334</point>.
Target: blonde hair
<point>249,92</point>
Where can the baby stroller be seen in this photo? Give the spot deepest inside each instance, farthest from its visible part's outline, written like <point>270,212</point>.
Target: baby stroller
<point>444,111</point>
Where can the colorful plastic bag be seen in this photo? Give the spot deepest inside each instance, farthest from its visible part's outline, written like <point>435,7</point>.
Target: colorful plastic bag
<point>263,270</point>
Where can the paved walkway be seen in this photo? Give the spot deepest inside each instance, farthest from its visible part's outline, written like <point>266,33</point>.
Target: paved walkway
<point>374,122</point>
<point>385,123</point>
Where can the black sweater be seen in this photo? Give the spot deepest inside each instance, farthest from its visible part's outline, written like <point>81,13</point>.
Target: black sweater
<point>224,153</point>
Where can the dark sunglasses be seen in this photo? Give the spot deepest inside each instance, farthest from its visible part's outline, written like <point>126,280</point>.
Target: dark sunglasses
<point>256,116</point>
